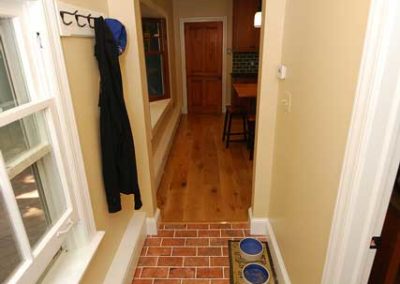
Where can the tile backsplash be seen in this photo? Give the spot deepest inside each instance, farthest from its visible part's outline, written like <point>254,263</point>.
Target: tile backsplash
<point>245,62</point>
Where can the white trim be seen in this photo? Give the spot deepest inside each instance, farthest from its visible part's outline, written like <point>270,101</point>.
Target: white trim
<point>71,265</point>
<point>372,154</point>
<point>279,264</point>
<point>224,21</point>
<point>152,223</point>
<point>68,129</point>
<point>263,227</point>
<point>258,226</point>
<point>127,256</point>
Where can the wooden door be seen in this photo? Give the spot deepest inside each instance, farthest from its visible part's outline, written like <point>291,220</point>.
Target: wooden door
<point>246,38</point>
<point>203,43</point>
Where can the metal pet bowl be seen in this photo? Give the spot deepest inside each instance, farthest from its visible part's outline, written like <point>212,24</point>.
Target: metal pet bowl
<point>251,249</point>
<point>254,273</point>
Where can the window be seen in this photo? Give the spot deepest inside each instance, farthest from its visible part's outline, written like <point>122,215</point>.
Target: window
<point>156,53</point>
<point>37,208</point>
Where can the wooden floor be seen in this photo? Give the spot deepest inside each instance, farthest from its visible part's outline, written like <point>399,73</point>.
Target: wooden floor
<point>203,181</point>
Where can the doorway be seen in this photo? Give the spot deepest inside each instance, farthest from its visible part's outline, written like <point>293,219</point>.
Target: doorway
<point>204,66</point>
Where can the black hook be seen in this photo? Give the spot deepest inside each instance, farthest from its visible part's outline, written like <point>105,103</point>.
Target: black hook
<point>89,17</point>
<point>77,20</point>
<point>62,13</point>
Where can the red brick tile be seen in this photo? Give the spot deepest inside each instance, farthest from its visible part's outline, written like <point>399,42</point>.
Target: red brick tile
<point>195,281</point>
<point>147,261</point>
<point>159,251</point>
<point>143,252</point>
<point>138,271</point>
<point>197,242</point>
<point>173,242</point>
<point>232,233</point>
<point>185,233</point>
<point>227,273</point>
<point>211,272</point>
<point>184,251</point>
<point>154,272</point>
<point>220,281</point>
<point>167,281</point>
<point>220,226</point>
<point>196,261</point>
<point>219,261</point>
<point>219,241</point>
<point>198,226</point>
<point>244,226</point>
<point>209,251</point>
<point>174,226</point>
<point>142,281</point>
<point>166,233</point>
<point>182,272</point>
<point>247,233</point>
<point>170,261</point>
<point>209,233</point>
<point>153,242</point>
<point>225,251</point>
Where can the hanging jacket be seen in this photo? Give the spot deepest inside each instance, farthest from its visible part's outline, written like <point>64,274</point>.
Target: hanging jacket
<point>117,147</point>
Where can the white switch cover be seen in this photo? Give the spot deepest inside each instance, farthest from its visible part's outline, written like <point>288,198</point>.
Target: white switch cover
<point>282,72</point>
<point>287,102</point>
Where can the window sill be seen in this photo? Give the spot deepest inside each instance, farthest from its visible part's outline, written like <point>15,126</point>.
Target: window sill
<point>157,111</point>
<point>70,266</point>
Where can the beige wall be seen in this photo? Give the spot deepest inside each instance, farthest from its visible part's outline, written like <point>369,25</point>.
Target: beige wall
<point>202,8</point>
<point>322,47</point>
<point>84,83</point>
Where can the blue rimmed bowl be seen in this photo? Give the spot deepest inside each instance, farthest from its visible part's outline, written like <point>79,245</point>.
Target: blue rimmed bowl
<point>251,249</point>
<point>254,273</point>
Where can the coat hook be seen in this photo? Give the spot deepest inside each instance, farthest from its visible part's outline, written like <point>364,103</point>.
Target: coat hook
<point>89,17</point>
<point>62,13</point>
<point>77,21</point>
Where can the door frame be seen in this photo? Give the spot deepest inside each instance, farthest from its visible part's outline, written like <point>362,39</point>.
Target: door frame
<point>372,154</point>
<point>182,23</point>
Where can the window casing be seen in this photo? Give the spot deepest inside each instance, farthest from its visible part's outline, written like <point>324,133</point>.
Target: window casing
<point>40,211</point>
<point>156,54</point>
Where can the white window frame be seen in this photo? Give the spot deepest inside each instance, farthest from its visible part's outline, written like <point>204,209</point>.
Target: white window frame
<point>76,229</point>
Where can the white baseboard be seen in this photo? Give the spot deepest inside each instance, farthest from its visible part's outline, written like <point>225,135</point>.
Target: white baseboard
<point>262,226</point>
<point>258,226</point>
<point>152,223</point>
<point>128,253</point>
<point>279,264</point>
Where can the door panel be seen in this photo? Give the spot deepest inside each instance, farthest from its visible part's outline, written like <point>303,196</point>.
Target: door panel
<point>203,42</point>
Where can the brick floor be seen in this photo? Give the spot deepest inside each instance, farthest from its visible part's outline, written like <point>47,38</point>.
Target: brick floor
<point>189,253</point>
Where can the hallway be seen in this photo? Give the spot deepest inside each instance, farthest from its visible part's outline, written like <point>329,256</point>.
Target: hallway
<point>204,181</point>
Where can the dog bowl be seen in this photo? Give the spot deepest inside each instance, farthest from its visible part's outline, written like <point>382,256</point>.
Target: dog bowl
<point>254,273</point>
<point>251,249</point>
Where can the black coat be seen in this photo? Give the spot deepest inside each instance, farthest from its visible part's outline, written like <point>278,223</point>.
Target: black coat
<point>117,147</point>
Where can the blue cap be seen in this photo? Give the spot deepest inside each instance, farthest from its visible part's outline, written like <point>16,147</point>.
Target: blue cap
<point>119,33</point>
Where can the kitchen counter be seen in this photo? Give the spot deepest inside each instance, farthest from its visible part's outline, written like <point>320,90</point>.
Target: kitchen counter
<point>246,90</point>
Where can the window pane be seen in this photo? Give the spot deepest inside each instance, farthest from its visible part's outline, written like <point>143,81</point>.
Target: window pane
<point>9,253</point>
<point>34,174</point>
<point>152,35</point>
<point>19,136</point>
<point>32,204</point>
<point>13,91</point>
<point>154,67</point>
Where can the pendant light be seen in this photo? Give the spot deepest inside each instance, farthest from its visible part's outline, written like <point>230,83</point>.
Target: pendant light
<point>258,17</point>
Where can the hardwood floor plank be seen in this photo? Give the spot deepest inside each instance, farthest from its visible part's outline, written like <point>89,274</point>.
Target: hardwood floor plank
<point>204,181</point>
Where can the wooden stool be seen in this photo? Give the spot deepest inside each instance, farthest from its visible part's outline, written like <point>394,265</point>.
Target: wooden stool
<point>232,113</point>
<point>251,126</point>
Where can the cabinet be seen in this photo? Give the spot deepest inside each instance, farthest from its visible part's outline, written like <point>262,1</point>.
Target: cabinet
<point>246,38</point>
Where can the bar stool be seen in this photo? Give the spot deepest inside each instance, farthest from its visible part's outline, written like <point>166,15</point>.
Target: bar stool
<point>234,112</point>
<point>251,126</point>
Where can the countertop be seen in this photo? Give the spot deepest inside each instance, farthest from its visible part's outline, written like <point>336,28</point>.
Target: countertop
<point>246,90</point>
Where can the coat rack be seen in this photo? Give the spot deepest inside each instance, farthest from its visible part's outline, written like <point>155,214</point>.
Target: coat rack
<point>76,21</point>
